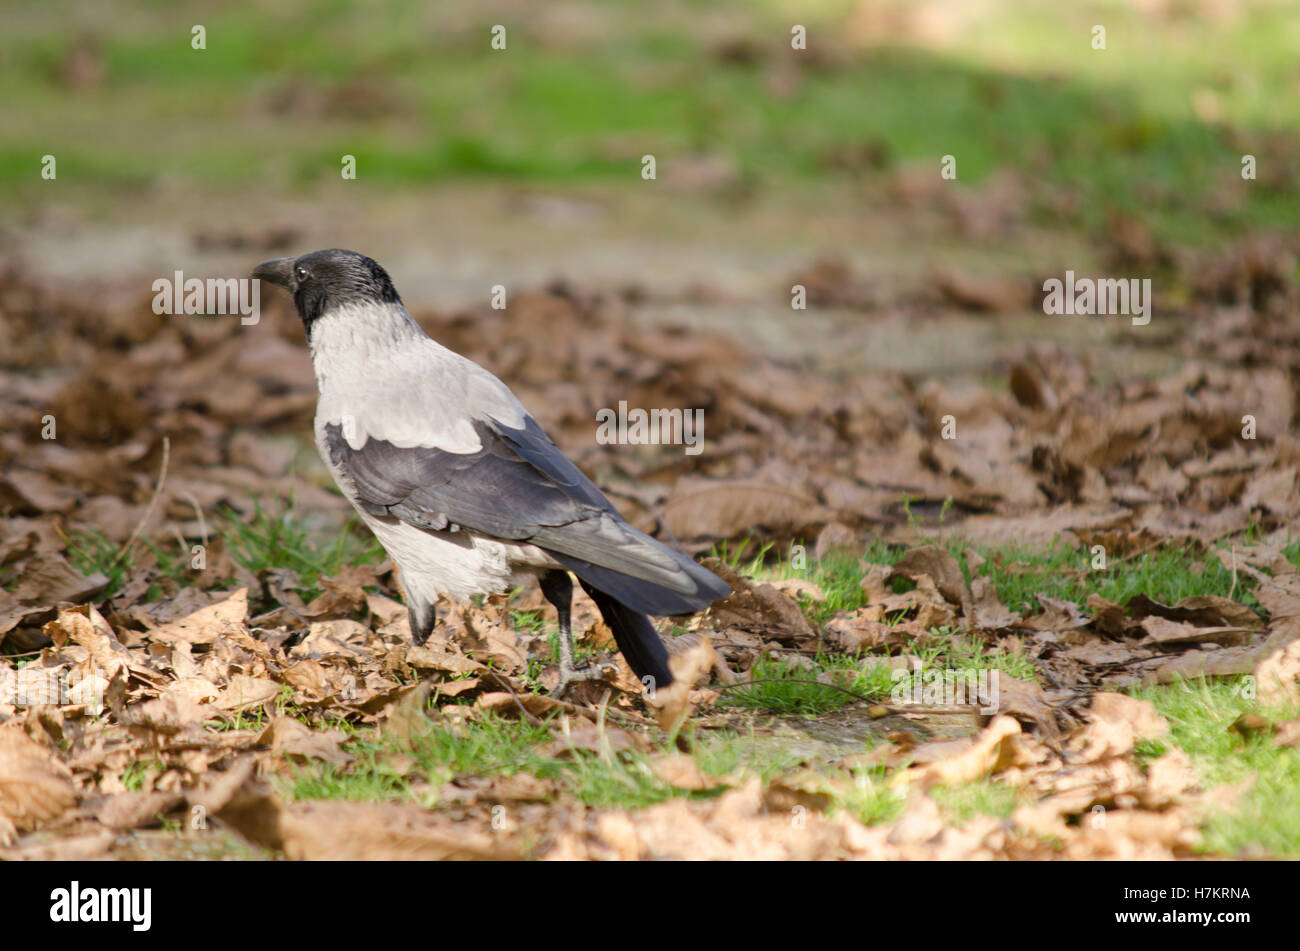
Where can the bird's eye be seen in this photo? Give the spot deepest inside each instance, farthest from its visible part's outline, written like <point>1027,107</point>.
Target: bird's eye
<point>302,274</point>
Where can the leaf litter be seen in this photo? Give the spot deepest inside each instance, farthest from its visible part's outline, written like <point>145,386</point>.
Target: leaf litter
<point>138,694</point>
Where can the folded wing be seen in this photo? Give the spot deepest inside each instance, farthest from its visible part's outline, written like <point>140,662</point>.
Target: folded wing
<point>519,487</point>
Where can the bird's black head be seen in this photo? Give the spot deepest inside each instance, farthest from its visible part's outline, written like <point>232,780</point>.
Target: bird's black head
<point>323,280</point>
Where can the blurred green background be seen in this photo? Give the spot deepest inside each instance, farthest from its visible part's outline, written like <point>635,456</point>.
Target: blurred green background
<point>1153,125</point>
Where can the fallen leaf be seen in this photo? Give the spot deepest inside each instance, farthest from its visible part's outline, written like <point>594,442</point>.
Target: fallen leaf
<point>296,743</point>
<point>35,786</point>
<point>206,624</point>
<point>245,693</point>
<point>988,753</point>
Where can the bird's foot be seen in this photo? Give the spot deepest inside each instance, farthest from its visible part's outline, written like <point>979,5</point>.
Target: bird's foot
<point>573,675</point>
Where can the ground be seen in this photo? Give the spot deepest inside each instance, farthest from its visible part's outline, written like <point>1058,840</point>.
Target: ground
<point>920,474</point>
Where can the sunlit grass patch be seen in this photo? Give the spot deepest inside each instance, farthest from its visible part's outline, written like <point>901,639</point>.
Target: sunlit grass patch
<point>827,684</point>
<point>483,745</point>
<point>282,540</point>
<point>1200,712</point>
<point>980,797</point>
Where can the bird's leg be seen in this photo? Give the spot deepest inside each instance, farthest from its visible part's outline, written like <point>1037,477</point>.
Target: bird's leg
<point>557,587</point>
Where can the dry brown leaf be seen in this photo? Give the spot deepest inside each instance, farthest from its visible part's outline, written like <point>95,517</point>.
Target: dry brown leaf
<point>338,637</point>
<point>673,704</point>
<point>428,658</point>
<point>177,709</point>
<point>510,704</point>
<point>1216,663</point>
<point>1288,734</point>
<point>352,831</point>
<point>206,624</point>
<point>728,509</point>
<point>35,785</point>
<point>1116,725</point>
<point>131,810</point>
<point>988,611</point>
<point>757,607</point>
<point>1132,835</point>
<point>487,636</point>
<point>941,567</point>
<point>75,848</point>
<point>1199,610</point>
<point>864,630</point>
<point>987,754</point>
<point>1169,778</point>
<point>1025,700</point>
<point>309,678</point>
<point>84,625</point>
<point>1056,615</point>
<point>681,770</point>
<point>47,578</point>
<point>295,742</point>
<point>1162,632</point>
<point>245,693</point>
<point>799,588</point>
<point>1277,676</point>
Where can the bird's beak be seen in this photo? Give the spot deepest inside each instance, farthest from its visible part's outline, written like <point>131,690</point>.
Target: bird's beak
<point>278,271</point>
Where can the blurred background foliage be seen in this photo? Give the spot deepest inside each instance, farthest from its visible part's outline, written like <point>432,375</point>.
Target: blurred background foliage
<point>1155,125</point>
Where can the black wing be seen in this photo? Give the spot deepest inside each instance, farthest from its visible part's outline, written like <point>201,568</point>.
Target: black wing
<point>520,487</point>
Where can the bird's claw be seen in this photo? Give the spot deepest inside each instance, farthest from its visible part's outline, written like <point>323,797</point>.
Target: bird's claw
<point>572,675</point>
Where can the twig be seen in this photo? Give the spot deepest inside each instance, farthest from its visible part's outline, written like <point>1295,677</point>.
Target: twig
<point>148,512</point>
<point>198,512</point>
<point>605,751</point>
<point>505,682</point>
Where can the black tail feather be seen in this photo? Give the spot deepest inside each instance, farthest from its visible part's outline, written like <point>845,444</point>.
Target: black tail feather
<point>645,596</point>
<point>636,637</point>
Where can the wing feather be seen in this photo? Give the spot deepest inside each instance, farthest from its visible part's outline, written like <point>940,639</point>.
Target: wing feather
<point>519,487</point>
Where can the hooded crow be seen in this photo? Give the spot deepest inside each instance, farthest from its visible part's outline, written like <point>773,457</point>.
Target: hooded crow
<point>458,482</point>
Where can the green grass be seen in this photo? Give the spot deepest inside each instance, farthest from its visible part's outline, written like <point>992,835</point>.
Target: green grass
<point>252,720</point>
<point>267,540</point>
<point>419,98</point>
<point>1019,573</point>
<point>1292,552</point>
<point>283,541</point>
<point>484,745</point>
<point>1267,820</point>
<point>786,688</point>
<point>980,797</point>
<point>137,773</point>
<point>536,623</point>
<point>838,575</point>
<point>1199,714</point>
<point>951,650</point>
<point>1167,574</point>
<point>91,552</point>
<point>870,799</point>
<point>730,752</point>
<point>416,769</point>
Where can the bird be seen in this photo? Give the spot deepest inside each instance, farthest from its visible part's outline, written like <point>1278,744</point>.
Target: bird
<point>459,483</point>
